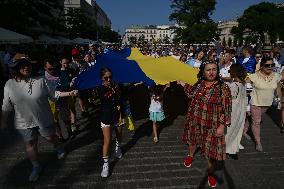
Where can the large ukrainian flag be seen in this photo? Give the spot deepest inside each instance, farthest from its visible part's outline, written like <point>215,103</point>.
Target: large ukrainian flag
<point>131,66</point>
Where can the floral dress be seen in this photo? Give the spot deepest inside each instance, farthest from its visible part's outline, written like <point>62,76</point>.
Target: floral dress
<point>209,108</point>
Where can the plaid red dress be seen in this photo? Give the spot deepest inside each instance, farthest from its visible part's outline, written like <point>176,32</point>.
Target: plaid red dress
<point>209,108</point>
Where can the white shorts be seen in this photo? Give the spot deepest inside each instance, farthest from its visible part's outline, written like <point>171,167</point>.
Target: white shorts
<point>104,125</point>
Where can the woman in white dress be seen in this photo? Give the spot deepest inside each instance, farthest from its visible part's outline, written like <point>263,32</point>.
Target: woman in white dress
<point>238,115</point>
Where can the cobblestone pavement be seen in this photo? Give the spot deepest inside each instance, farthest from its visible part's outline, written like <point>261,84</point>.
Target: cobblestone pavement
<point>144,164</point>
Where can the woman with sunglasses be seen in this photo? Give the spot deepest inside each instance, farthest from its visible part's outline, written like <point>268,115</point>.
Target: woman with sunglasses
<point>264,83</point>
<point>28,97</point>
<point>109,95</point>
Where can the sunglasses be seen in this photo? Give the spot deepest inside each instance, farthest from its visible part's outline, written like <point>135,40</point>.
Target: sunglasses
<point>107,78</point>
<point>258,57</point>
<point>269,65</point>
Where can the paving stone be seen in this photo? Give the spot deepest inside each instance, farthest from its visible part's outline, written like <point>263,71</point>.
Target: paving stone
<point>145,165</point>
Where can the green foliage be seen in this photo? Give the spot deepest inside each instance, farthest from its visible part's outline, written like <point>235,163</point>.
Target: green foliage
<point>166,40</point>
<point>108,35</point>
<point>141,39</point>
<point>133,40</point>
<point>230,42</point>
<point>260,19</point>
<point>195,16</point>
<point>81,26</point>
<point>238,35</point>
<point>224,44</point>
<point>20,15</point>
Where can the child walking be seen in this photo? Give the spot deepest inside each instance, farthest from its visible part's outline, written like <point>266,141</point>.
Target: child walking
<point>156,110</point>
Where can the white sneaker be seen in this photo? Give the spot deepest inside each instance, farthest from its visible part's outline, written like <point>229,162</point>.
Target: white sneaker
<point>60,154</point>
<point>241,147</point>
<point>105,170</point>
<point>118,153</point>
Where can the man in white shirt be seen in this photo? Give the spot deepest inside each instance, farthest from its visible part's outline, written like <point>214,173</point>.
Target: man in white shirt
<point>225,65</point>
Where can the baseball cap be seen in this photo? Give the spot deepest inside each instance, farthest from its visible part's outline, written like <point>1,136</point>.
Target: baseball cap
<point>18,59</point>
<point>75,52</point>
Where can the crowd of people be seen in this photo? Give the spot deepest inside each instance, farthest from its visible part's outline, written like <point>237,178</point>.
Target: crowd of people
<point>233,88</point>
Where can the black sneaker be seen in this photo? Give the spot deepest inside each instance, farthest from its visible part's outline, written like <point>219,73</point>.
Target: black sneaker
<point>233,156</point>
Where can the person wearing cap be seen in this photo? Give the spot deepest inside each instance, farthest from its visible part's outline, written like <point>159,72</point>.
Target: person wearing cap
<point>28,97</point>
<point>209,113</point>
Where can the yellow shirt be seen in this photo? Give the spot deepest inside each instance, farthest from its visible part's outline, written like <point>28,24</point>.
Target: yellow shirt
<point>263,88</point>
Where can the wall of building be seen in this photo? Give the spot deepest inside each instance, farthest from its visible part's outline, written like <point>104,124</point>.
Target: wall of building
<point>225,30</point>
<point>151,33</point>
<point>91,9</point>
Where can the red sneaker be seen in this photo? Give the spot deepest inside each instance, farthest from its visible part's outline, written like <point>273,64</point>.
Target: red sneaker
<point>212,181</point>
<point>188,161</point>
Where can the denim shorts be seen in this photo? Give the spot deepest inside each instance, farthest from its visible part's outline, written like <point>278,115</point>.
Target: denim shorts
<point>31,134</point>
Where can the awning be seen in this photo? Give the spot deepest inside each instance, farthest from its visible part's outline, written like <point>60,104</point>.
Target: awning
<point>11,37</point>
<point>80,40</point>
<point>63,40</point>
<point>44,39</point>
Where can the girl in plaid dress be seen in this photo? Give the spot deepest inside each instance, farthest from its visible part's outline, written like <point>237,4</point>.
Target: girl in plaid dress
<point>208,114</point>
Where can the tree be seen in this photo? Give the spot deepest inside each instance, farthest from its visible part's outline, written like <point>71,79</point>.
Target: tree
<point>166,40</point>
<point>26,16</point>
<point>108,35</point>
<point>238,35</point>
<point>258,20</point>
<point>235,42</point>
<point>280,30</point>
<point>224,43</point>
<point>141,39</point>
<point>194,15</point>
<point>79,25</point>
<point>133,40</point>
<point>230,42</point>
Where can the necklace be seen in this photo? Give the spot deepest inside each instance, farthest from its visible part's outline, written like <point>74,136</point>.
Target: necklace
<point>266,78</point>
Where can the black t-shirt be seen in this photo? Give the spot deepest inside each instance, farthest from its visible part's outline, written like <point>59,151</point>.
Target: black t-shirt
<point>110,100</point>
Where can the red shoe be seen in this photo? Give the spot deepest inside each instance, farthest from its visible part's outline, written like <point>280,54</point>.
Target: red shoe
<point>187,161</point>
<point>212,181</point>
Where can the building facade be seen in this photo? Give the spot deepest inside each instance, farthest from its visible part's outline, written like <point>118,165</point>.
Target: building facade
<point>225,28</point>
<point>91,9</point>
<point>150,33</point>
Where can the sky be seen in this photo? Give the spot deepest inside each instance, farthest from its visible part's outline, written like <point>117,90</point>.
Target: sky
<point>124,13</point>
